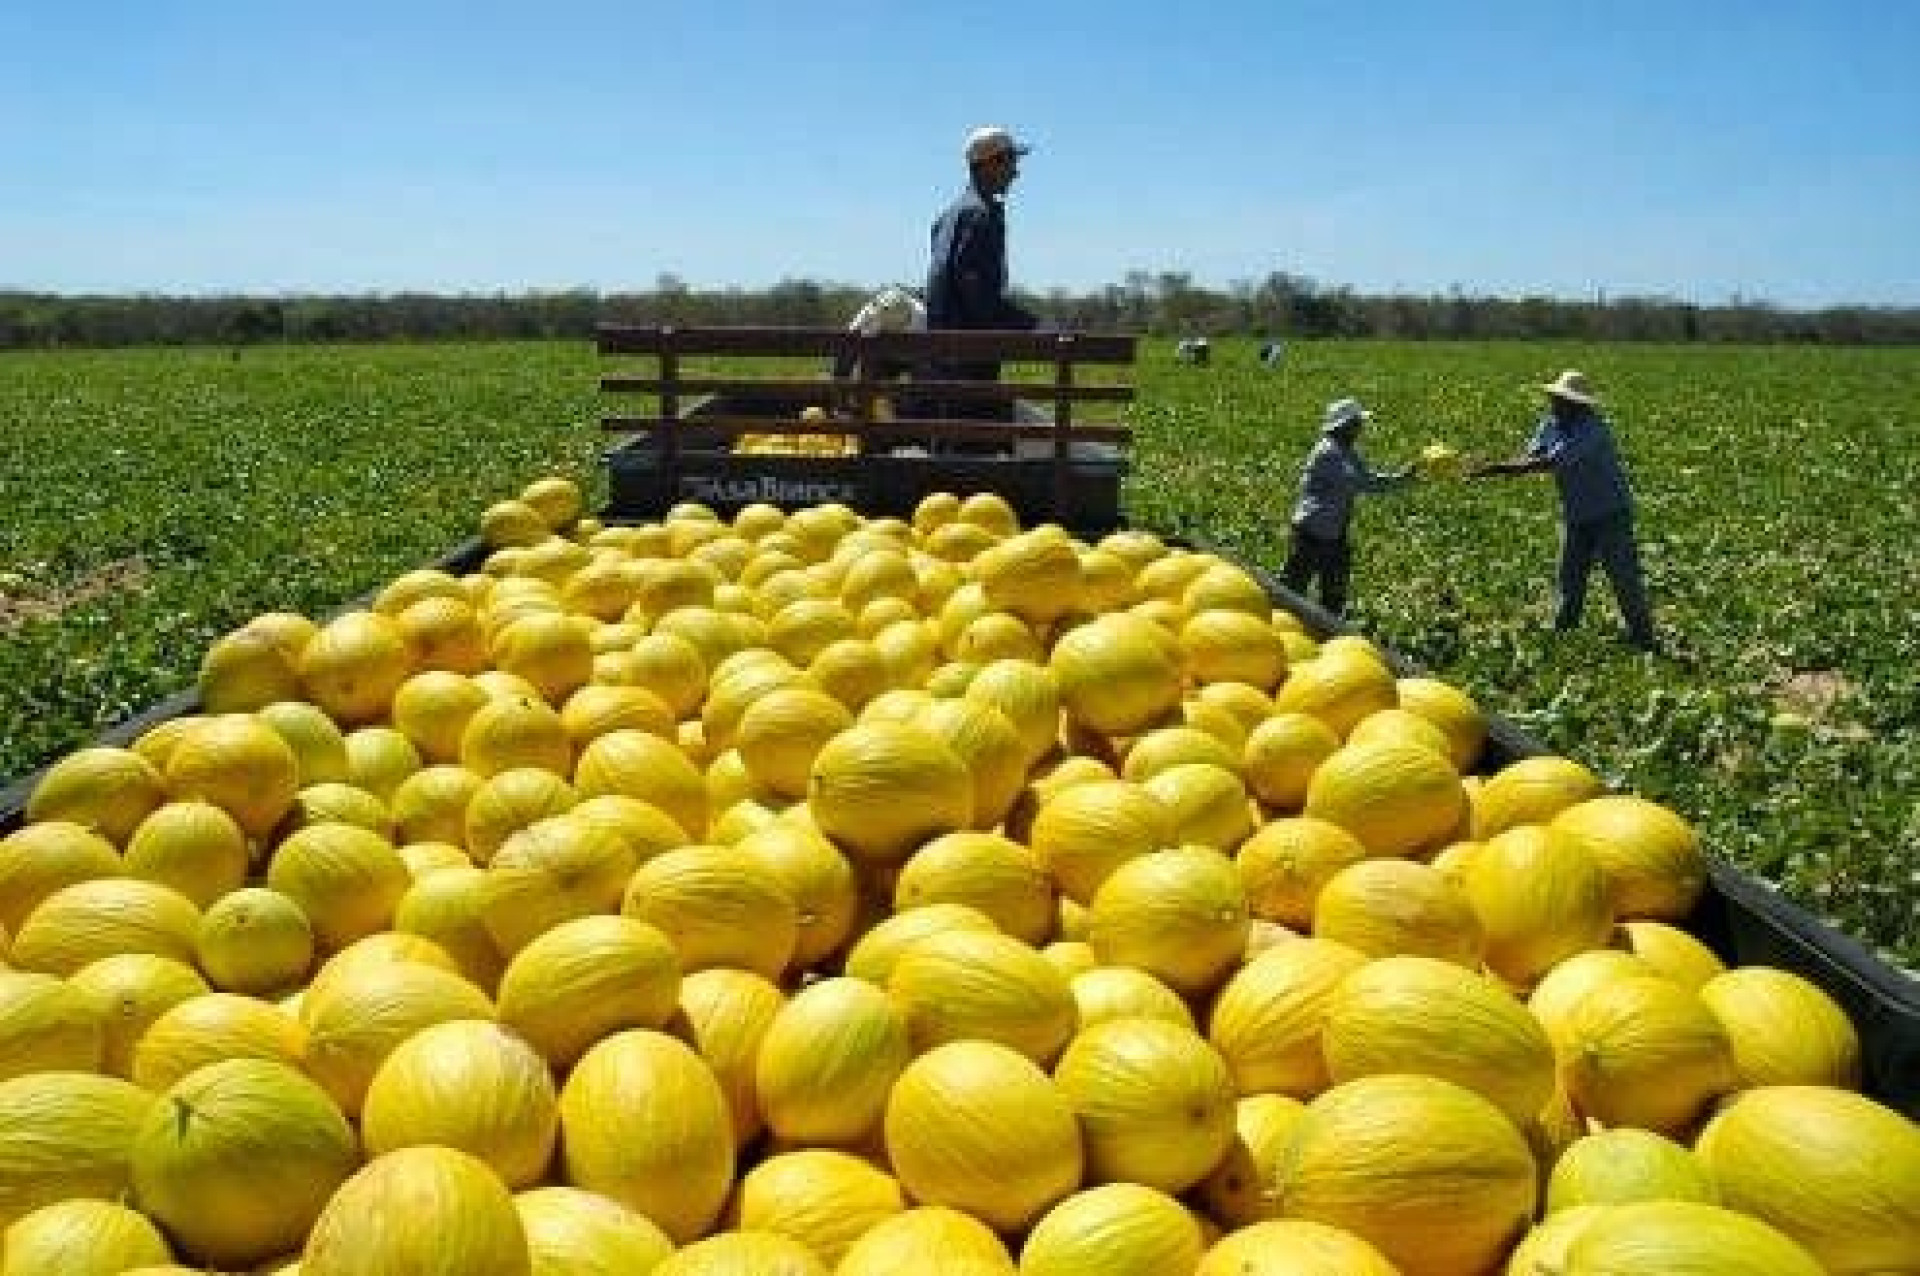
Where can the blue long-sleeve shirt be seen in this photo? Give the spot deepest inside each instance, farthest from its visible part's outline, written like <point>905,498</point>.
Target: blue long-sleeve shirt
<point>1586,466</point>
<point>1335,473</point>
<point>967,278</point>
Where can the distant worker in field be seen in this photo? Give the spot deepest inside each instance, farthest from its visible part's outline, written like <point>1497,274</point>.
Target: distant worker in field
<point>1334,476</point>
<point>1596,505</point>
<point>967,277</point>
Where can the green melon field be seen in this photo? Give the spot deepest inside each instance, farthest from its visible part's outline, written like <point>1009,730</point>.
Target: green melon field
<point>155,499</point>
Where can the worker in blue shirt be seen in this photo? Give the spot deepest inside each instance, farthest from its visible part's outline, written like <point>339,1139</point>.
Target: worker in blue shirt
<point>1335,474</point>
<point>1576,445</point>
<point>967,277</point>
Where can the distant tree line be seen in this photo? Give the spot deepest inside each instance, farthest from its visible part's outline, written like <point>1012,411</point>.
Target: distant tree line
<point>1281,305</point>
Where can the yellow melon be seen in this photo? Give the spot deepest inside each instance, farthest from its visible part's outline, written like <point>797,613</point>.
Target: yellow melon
<point>1117,674</point>
<point>359,1018</point>
<point>65,1135</point>
<point>38,859</point>
<point>1103,993</point>
<point>932,1240</point>
<point>511,522</point>
<point>353,666</point>
<point>552,871</point>
<point>1154,1100</point>
<point>443,634</point>
<point>238,1159</point>
<point>244,670</point>
<point>48,1024</point>
<point>211,1028</point>
<point>1553,998</point>
<point>718,907</point>
<point>86,921</point>
<point>781,733</point>
<point>380,759</point>
<point>103,788</point>
<point>820,880</point>
<point>237,763</point>
<point>193,846</point>
<point>1267,1019</point>
<point>1208,804</point>
<point>1281,754</point>
<point>1615,1167</point>
<point>1426,1016</point>
<point>1337,688</point>
<point>1293,1247</point>
<point>338,803</point>
<point>503,804</point>
<point>82,1236</point>
<point>1035,575</point>
<point>1540,897</point>
<point>551,650</point>
<point>642,765</point>
<point>1179,914</point>
<point>346,879</point>
<point>586,979</point>
<point>1783,1029</point>
<point>256,941</point>
<point>1671,951</point>
<point>670,667</point>
<point>1121,1228</point>
<point>420,1209</point>
<point>1460,719</point>
<point>431,804</point>
<point>432,709</point>
<point>569,1230</point>
<point>822,1198</point>
<point>1240,1190</point>
<point>1286,862</point>
<point>1165,747</point>
<point>1530,791</point>
<point>1389,907</point>
<point>1402,726</point>
<point>1684,1236</point>
<point>128,992</point>
<point>743,1253</point>
<point>319,746</point>
<point>1543,1250</point>
<point>879,789</point>
<point>644,1121</point>
<point>1024,691</point>
<point>447,905</point>
<point>1397,799</point>
<point>880,948</point>
<point>828,1060</point>
<point>1002,878</point>
<point>1644,1051</point>
<point>970,984</point>
<point>988,745</point>
<point>468,1084</point>
<point>979,1127</point>
<point>724,1016</point>
<point>1831,1169</point>
<point>1652,857</point>
<point>1086,831</point>
<point>1429,1173</point>
<point>506,733</point>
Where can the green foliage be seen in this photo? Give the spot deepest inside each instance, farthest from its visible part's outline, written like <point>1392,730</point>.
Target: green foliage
<point>156,499</point>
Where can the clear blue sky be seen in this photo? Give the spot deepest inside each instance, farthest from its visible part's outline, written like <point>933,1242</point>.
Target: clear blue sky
<point>1688,148</point>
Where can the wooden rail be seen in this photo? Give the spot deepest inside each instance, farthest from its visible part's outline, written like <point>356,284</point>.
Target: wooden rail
<point>939,403</point>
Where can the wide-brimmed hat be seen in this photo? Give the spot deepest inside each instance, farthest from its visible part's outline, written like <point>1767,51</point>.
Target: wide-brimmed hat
<point>1341,413</point>
<point>1573,387</point>
<point>992,141</point>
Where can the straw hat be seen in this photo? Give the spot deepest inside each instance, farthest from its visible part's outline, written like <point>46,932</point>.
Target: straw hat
<point>1342,413</point>
<point>1573,387</point>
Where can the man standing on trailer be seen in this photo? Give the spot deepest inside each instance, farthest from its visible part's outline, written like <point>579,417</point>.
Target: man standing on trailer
<point>967,278</point>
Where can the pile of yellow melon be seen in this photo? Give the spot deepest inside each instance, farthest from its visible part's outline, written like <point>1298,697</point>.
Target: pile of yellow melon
<point>810,893</point>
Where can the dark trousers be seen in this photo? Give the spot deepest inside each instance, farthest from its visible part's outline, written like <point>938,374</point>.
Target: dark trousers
<point>1331,561</point>
<point>1608,540</point>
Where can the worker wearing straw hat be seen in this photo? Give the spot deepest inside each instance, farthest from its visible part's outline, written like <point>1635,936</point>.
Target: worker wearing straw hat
<point>1575,443</point>
<point>1334,475</point>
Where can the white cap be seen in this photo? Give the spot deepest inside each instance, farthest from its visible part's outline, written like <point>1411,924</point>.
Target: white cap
<point>990,141</point>
<point>1341,413</point>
